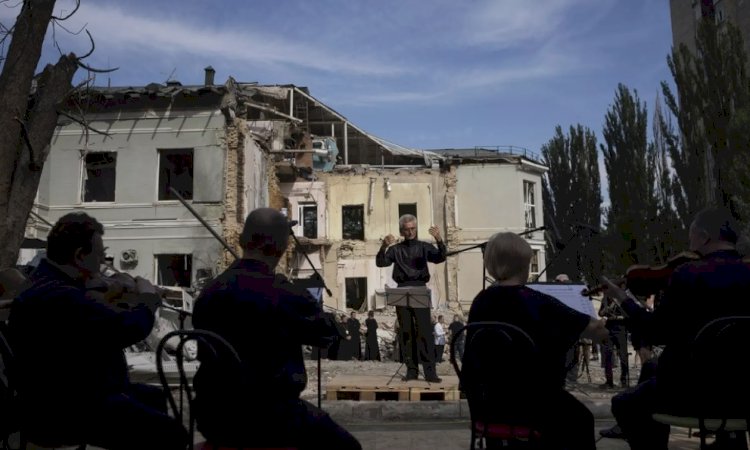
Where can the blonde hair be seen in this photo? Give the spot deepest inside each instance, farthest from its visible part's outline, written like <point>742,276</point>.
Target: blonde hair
<point>507,256</point>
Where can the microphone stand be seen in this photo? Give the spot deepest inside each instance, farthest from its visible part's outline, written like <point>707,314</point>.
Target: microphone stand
<point>328,291</point>
<point>482,246</point>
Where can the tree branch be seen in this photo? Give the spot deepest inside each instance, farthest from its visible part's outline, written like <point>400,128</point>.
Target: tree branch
<point>78,5</point>
<point>82,123</point>
<point>33,166</point>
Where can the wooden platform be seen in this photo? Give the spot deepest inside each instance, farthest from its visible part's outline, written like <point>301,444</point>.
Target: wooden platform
<point>374,387</point>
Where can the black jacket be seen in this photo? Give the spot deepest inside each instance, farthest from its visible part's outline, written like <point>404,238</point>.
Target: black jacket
<point>410,258</point>
<point>69,348</point>
<point>267,320</point>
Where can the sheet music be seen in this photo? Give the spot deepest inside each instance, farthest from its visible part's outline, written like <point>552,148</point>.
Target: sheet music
<point>569,294</point>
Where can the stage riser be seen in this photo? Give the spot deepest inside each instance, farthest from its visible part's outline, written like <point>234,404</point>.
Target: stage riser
<point>378,388</point>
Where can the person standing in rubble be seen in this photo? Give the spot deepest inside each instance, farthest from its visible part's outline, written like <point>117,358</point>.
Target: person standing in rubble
<point>372,349</point>
<point>409,258</point>
<point>353,325</point>
<point>83,394</point>
<point>263,407</point>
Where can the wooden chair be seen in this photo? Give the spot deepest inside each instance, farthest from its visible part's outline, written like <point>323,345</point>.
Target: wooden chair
<point>498,404</point>
<point>721,395</point>
<point>215,345</point>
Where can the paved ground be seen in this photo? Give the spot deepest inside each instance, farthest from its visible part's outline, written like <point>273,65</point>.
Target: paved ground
<point>444,425</point>
<point>449,435</point>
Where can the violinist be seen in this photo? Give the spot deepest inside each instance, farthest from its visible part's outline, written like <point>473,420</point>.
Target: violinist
<point>71,369</point>
<point>698,291</point>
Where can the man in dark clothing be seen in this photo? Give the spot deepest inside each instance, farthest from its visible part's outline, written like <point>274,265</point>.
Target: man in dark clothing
<point>353,325</point>
<point>372,349</point>
<point>453,329</point>
<point>71,369</point>
<point>564,422</point>
<point>409,258</point>
<point>715,286</point>
<point>617,341</point>
<point>260,406</point>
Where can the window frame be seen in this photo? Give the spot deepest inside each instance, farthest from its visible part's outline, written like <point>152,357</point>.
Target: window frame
<point>191,277</point>
<point>84,178</point>
<point>361,208</point>
<point>529,207</point>
<point>160,154</point>
<point>300,228</point>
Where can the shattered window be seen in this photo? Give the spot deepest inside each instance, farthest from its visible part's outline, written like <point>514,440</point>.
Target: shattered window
<point>353,226</point>
<point>534,265</point>
<point>99,177</point>
<point>529,204</point>
<point>356,292</point>
<point>176,171</point>
<point>308,219</point>
<point>174,270</point>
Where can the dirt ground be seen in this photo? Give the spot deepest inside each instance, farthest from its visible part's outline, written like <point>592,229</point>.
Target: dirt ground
<point>331,369</point>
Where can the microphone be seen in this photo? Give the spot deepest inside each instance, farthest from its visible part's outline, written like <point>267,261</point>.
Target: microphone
<point>591,228</point>
<point>293,223</point>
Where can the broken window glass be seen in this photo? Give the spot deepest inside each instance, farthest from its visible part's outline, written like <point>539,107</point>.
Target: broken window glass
<point>529,204</point>
<point>308,217</point>
<point>174,270</point>
<point>99,177</point>
<point>353,217</point>
<point>356,292</point>
<point>176,171</point>
<point>534,265</point>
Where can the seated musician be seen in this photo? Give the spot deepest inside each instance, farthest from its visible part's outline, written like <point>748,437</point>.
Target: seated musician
<point>267,320</point>
<point>564,421</point>
<point>698,292</point>
<point>71,370</point>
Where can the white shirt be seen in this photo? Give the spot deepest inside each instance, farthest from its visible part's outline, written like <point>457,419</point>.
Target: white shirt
<point>439,334</point>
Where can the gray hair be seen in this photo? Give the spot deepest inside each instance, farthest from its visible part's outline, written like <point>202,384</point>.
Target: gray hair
<point>717,223</point>
<point>507,256</point>
<point>406,218</point>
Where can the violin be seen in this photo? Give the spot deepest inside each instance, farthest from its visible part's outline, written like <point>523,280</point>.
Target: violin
<point>117,288</point>
<point>645,280</point>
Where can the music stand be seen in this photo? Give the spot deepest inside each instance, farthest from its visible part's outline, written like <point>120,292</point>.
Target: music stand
<point>410,297</point>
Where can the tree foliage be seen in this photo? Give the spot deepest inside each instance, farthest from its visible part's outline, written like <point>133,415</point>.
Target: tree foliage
<point>630,162</point>
<point>711,149</point>
<point>572,196</point>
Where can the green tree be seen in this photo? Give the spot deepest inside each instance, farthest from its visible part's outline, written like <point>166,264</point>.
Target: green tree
<point>668,231</point>
<point>572,196</point>
<point>627,160</point>
<point>711,151</point>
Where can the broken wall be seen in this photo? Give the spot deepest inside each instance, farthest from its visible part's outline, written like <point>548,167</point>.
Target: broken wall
<point>379,192</point>
<point>137,219</point>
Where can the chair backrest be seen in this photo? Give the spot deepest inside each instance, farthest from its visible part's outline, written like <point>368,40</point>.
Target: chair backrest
<point>719,359</point>
<point>498,372</point>
<point>210,345</point>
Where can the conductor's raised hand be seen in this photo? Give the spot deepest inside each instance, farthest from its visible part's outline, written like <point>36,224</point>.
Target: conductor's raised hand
<point>389,240</point>
<point>435,232</point>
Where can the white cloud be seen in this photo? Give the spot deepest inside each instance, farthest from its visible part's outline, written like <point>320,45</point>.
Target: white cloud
<point>509,23</point>
<point>122,31</point>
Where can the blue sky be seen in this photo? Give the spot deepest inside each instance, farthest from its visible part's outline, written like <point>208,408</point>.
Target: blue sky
<point>423,74</point>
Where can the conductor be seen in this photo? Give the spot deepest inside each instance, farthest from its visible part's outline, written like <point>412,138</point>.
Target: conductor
<point>410,258</point>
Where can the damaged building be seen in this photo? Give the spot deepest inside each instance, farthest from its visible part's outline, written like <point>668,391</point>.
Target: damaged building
<point>118,153</point>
